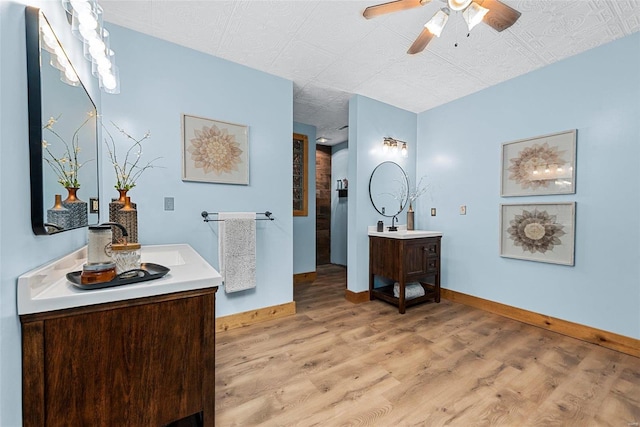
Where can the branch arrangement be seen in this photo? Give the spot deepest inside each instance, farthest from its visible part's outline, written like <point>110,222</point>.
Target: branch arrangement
<point>127,172</point>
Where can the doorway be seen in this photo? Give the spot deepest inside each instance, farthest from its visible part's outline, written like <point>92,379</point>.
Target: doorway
<point>323,204</point>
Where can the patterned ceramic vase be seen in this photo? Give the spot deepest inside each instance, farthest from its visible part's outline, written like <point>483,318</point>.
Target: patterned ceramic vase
<point>127,216</point>
<point>114,207</point>
<point>78,214</point>
<point>58,216</point>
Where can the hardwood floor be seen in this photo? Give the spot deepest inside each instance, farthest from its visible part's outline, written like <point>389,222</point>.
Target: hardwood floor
<point>337,364</point>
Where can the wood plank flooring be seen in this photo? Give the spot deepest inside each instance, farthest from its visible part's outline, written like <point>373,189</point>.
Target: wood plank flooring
<point>339,364</point>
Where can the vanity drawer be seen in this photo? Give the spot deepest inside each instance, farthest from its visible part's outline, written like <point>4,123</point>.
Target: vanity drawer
<point>433,265</point>
<point>432,248</point>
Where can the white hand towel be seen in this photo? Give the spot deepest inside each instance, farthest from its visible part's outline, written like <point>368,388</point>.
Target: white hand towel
<point>237,250</point>
<point>411,290</point>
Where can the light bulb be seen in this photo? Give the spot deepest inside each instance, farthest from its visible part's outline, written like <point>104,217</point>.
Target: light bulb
<point>86,33</point>
<point>80,5</point>
<point>71,75</point>
<point>109,81</point>
<point>88,20</point>
<point>404,150</point>
<point>458,4</point>
<point>97,51</point>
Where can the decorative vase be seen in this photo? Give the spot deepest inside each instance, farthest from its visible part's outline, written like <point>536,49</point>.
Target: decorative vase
<point>410,215</point>
<point>127,216</point>
<point>78,215</point>
<point>114,207</point>
<point>58,216</point>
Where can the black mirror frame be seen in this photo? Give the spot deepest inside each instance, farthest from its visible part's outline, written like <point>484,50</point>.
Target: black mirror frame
<point>34,92</point>
<point>406,199</point>
<point>34,97</point>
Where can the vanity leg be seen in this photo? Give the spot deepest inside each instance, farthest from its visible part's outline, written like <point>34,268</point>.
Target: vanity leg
<point>437,288</point>
<point>401,297</point>
<point>371,286</point>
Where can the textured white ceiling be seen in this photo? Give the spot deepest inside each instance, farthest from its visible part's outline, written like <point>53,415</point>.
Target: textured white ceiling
<point>331,52</point>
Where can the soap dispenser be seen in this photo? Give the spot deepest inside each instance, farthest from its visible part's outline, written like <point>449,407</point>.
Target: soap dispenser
<point>98,241</point>
<point>99,267</point>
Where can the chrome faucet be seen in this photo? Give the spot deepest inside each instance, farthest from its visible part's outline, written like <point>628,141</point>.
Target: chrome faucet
<point>393,227</point>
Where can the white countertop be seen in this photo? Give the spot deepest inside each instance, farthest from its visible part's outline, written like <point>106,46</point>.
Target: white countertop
<point>46,288</point>
<point>402,233</point>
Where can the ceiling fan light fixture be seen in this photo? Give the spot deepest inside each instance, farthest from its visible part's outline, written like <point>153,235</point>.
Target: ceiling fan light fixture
<point>458,4</point>
<point>473,14</point>
<point>437,22</point>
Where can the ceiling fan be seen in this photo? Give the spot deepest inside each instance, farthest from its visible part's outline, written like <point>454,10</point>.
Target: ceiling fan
<point>494,13</point>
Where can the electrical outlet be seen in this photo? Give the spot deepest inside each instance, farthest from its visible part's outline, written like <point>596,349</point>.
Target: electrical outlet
<point>463,209</point>
<point>168,203</point>
<point>433,211</point>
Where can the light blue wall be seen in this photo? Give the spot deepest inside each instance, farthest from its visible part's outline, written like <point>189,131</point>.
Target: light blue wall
<point>159,82</point>
<point>369,122</point>
<point>597,93</point>
<point>21,250</point>
<point>304,227</point>
<point>339,209</point>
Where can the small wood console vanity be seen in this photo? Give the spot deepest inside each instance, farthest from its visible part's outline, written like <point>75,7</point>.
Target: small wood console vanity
<point>137,355</point>
<point>404,257</point>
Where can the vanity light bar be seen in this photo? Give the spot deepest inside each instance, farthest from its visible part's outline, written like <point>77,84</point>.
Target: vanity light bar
<point>87,25</point>
<point>393,145</point>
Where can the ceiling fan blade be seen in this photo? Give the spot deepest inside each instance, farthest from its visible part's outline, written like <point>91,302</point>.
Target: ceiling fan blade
<point>392,6</point>
<point>421,42</point>
<point>500,16</point>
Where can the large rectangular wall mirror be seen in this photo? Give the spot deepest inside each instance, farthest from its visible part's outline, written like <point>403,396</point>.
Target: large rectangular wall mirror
<point>63,135</point>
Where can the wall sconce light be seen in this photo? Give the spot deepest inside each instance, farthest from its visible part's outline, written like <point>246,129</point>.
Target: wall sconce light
<point>86,25</point>
<point>393,145</point>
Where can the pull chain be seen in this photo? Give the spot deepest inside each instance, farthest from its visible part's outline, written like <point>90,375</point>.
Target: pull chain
<point>457,33</point>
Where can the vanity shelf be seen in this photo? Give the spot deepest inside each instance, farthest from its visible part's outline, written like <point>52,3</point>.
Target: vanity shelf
<point>405,260</point>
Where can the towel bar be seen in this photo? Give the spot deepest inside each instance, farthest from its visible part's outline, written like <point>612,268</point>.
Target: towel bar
<point>206,214</point>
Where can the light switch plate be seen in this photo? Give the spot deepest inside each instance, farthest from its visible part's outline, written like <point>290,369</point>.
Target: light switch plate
<point>433,211</point>
<point>463,209</point>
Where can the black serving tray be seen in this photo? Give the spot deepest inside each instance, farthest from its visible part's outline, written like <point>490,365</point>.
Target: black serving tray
<point>147,271</point>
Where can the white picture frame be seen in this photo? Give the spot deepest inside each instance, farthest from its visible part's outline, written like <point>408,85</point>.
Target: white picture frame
<point>539,166</point>
<point>214,151</point>
<point>543,232</point>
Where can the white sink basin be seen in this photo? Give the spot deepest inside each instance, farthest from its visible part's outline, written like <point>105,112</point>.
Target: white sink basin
<point>46,288</point>
<point>402,233</point>
<point>167,255</point>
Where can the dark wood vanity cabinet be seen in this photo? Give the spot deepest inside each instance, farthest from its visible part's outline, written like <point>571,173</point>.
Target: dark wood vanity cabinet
<point>140,362</point>
<point>405,261</point>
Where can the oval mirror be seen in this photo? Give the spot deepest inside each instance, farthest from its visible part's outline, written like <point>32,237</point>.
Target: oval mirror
<point>63,135</point>
<point>388,189</point>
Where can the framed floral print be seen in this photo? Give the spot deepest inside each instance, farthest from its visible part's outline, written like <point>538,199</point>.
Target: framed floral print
<point>214,151</point>
<point>543,232</point>
<point>539,166</point>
